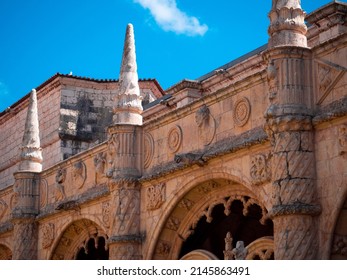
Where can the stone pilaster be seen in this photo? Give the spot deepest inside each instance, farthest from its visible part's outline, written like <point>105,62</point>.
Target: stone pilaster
<point>289,126</point>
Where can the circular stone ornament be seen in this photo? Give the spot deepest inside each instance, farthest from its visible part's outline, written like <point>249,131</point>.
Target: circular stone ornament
<point>242,111</point>
<point>174,139</point>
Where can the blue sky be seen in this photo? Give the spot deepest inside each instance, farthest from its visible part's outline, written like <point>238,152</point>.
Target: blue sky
<point>175,39</point>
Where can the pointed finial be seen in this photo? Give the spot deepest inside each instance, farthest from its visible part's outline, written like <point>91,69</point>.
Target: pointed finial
<point>287,24</point>
<point>127,102</point>
<point>31,152</point>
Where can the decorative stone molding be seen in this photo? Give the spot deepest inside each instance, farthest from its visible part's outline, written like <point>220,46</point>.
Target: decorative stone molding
<point>190,158</point>
<point>240,252</point>
<point>272,80</point>
<point>79,174</point>
<point>342,139</point>
<point>186,204</point>
<point>262,248</point>
<point>124,251</point>
<point>47,235</point>
<point>156,196</point>
<point>174,140</point>
<point>241,111</point>
<point>206,125</point>
<point>260,169</point>
<point>173,223</point>
<point>106,214</point>
<point>149,149</point>
<point>228,252</point>
<point>99,164</point>
<point>43,193</point>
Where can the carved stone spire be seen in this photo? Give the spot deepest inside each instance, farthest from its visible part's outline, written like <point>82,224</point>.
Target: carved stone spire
<point>287,24</point>
<point>127,103</point>
<point>31,152</point>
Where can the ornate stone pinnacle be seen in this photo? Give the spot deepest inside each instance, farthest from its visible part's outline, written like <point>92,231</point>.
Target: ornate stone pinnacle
<point>287,24</point>
<point>31,152</point>
<point>127,103</point>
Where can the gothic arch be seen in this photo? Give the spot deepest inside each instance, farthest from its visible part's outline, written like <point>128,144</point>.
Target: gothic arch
<point>75,236</point>
<point>181,217</point>
<point>5,252</point>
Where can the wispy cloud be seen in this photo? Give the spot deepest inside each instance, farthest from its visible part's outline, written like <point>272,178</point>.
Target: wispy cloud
<point>169,17</point>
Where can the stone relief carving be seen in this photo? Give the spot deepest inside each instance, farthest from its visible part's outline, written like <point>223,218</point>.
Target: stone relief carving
<point>163,248</point>
<point>324,77</point>
<point>207,187</point>
<point>125,251</point>
<point>79,174</point>
<point>113,149</point>
<point>60,178</point>
<point>106,218</point>
<point>43,193</point>
<point>156,196</point>
<point>47,235</point>
<point>342,139</point>
<point>3,208</point>
<point>186,204</point>
<point>339,245</point>
<point>241,111</point>
<point>272,80</point>
<point>173,223</point>
<point>206,125</point>
<point>15,196</point>
<point>99,164</point>
<point>228,252</point>
<point>260,169</point>
<point>174,141</point>
<point>240,252</point>
<point>149,149</point>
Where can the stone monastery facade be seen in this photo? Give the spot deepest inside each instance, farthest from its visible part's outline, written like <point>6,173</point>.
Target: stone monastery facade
<point>246,162</point>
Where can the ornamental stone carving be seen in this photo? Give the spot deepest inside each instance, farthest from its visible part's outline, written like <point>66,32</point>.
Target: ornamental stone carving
<point>174,141</point>
<point>339,245</point>
<point>156,196</point>
<point>228,252</point>
<point>272,80</point>
<point>240,252</point>
<point>173,223</point>
<point>47,235</point>
<point>206,125</point>
<point>3,208</point>
<point>342,139</point>
<point>260,169</point>
<point>60,178</point>
<point>149,149</point>
<point>163,248</point>
<point>106,217</point>
<point>241,111</point>
<point>79,174</point>
<point>43,193</point>
<point>99,164</point>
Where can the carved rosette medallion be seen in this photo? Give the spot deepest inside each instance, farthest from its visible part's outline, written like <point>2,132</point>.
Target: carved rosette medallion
<point>47,235</point>
<point>260,169</point>
<point>241,111</point>
<point>155,196</point>
<point>163,248</point>
<point>174,140</point>
<point>149,149</point>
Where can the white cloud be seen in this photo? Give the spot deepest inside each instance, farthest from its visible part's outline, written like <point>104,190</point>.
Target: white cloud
<point>169,17</point>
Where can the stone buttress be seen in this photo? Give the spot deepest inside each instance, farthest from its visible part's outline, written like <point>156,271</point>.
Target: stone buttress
<point>26,188</point>
<point>289,126</point>
<point>124,158</point>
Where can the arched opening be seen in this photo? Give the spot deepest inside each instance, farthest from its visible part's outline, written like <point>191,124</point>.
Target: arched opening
<point>5,253</point>
<point>210,236</point>
<point>339,245</point>
<point>82,240</point>
<point>219,218</point>
<point>95,249</point>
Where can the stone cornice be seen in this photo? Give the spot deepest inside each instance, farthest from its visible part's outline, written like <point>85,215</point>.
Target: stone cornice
<point>332,111</point>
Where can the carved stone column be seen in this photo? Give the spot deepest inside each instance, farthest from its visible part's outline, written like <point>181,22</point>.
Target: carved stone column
<point>26,188</point>
<point>124,162</point>
<point>289,126</point>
